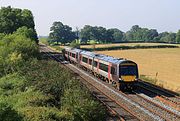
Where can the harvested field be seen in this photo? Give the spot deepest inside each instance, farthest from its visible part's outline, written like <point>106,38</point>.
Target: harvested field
<point>161,64</point>
<point>123,44</point>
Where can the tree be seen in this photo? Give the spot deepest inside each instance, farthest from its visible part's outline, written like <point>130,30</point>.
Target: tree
<point>99,34</point>
<point>2,35</point>
<point>116,34</point>
<point>141,34</point>
<point>109,35</point>
<point>167,37</point>
<point>13,18</point>
<point>61,33</point>
<point>86,33</point>
<point>27,32</point>
<point>129,36</point>
<point>152,33</point>
<point>178,37</point>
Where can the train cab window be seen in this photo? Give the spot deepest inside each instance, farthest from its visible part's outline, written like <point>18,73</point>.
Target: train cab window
<point>95,64</point>
<point>128,70</point>
<point>85,60</point>
<point>103,67</point>
<point>90,61</point>
<point>112,70</point>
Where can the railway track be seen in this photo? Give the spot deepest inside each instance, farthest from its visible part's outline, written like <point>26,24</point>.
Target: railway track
<point>124,106</point>
<point>164,96</point>
<point>151,105</point>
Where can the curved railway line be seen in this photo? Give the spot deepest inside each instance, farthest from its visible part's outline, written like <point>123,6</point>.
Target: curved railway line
<point>126,106</point>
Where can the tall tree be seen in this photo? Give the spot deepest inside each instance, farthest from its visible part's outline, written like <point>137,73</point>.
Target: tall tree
<point>109,35</point>
<point>116,34</point>
<point>86,33</point>
<point>141,34</point>
<point>99,34</point>
<point>178,37</point>
<point>152,34</point>
<point>167,37</point>
<point>61,33</point>
<point>13,18</point>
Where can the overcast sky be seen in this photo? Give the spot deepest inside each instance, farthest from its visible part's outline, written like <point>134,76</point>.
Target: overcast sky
<point>163,15</point>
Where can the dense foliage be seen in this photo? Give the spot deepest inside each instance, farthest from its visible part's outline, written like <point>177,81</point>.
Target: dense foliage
<point>13,18</point>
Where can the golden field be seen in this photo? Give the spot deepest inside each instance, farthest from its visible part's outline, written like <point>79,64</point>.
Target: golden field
<point>123,44</point>
<point>165,63</point>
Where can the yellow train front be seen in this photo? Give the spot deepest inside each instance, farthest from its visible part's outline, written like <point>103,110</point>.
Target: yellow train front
<point>128,75</point>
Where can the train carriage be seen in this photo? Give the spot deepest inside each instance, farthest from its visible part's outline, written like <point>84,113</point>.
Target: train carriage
<point>72,54</point>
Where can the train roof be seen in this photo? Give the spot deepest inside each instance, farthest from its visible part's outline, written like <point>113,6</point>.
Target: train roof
<point>88,53</point>
<point>103,57</point>
<point>98,56</point>
<point>72,49</point>
<point>110,59</point>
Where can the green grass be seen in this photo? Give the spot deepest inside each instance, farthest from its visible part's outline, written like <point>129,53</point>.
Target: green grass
<point>44,40</point>
<point>56,47</point>
<point>147,79</point>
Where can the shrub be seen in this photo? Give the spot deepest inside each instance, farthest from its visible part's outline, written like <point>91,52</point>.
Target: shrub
<point>11,84</point>
<point>81,104</point>
<point>41,114</point>
<point>147,79</point>
<point>14,50</point>
<point>7,113</point>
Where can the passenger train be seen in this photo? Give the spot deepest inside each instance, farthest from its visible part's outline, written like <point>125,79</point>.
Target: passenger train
<point>121,73</point>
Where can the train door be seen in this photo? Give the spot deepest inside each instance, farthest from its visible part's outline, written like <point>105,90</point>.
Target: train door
<point>93,64</point>
<point>77,56</point>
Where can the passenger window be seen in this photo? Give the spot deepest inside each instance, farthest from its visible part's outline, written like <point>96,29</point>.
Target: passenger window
<point>103,67</point>
<point>95,64</point>
<point>84,59</point>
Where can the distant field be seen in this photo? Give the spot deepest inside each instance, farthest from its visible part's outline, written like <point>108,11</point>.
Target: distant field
<point>123,44</point>
<point>163,62</point>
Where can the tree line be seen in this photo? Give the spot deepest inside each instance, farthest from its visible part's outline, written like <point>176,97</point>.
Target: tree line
<point>61,33</point>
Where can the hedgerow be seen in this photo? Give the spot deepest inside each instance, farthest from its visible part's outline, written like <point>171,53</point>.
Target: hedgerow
<point>129,47</point>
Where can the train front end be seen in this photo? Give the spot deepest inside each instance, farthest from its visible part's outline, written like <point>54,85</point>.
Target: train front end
<point>128,75</point>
